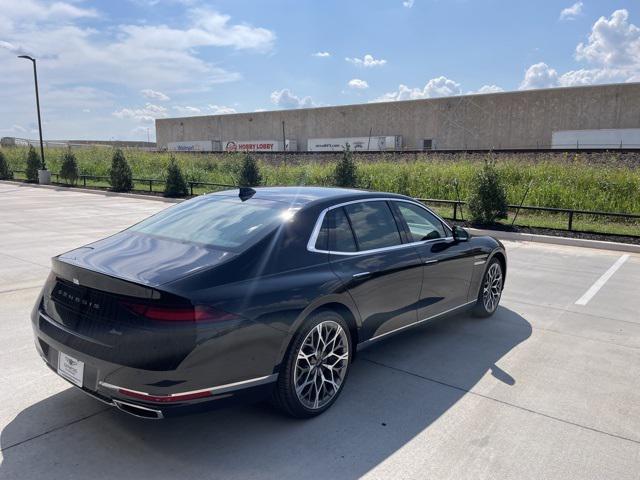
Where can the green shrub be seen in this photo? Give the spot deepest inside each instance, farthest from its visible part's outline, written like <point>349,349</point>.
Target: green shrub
<point>403,182</point>
<point>488,199</point>
<point>346,171</point>
<point>249,173</point>
<point>120,173</point>
<point>175,184</point>
<point>5,173</point>
<point>33,165</point>
<point>69,168</point>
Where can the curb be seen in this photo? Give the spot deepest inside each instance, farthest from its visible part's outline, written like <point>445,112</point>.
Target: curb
<point>572,242</point>
<point>105,193</point>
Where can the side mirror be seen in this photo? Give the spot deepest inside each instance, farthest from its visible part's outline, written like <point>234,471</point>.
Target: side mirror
<point>460,234</point>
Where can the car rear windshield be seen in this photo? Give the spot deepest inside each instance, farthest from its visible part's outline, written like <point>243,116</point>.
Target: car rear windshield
<point>217,221</point>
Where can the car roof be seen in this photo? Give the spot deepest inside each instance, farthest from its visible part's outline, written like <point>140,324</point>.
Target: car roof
<point>304,196</point>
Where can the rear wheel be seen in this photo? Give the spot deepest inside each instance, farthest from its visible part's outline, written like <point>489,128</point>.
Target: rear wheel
<point>315,367</point>
<point>490,290</point>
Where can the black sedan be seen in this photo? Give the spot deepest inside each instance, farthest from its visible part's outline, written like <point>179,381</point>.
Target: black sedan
<point>253,294</point>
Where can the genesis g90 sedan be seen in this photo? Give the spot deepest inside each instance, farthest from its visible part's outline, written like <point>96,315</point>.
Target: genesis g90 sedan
<point>253,294</point>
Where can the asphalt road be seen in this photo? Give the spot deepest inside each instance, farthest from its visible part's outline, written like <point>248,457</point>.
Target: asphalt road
<point>546,388</point>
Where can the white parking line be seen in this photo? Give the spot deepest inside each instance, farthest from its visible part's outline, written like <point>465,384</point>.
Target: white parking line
<point>588,295</point>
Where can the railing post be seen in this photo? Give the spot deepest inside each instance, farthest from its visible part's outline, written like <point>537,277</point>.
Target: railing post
<point>455,210</point>
<point>571,220</point>
<point>84,180</point>
<point>191,188</point>
<point>150,185</point>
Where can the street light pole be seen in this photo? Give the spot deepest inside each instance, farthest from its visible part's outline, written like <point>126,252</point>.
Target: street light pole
<point>35,78</point>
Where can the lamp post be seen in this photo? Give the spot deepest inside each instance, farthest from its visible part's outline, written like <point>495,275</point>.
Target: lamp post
<point>43,175</point>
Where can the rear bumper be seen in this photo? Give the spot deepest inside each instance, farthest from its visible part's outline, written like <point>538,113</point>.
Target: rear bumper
<point>157,394</point>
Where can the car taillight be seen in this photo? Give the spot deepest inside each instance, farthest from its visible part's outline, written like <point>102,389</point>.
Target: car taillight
<point>197,313</point>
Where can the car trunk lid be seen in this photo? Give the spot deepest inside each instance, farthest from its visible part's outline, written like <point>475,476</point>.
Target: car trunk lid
<point>144,259</point>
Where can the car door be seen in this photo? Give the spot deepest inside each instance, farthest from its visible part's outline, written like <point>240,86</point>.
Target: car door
<point>382,274</point>
<point>448,263</point>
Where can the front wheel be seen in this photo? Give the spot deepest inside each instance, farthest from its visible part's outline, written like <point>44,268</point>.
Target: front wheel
<point>491,290</point>
<point>316,366</point>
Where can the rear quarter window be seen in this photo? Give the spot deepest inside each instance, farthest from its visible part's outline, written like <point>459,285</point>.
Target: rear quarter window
<point>335,234</point>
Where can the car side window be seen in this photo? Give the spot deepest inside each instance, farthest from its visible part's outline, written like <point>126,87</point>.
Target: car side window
<point>373,225</point>
<point>335,234</point>
<point>422,224</point>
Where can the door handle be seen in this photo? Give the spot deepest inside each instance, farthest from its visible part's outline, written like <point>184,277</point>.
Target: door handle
<point>362,275</point>
<point>429,262</point>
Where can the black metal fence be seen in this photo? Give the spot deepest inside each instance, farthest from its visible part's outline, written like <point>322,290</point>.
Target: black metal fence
<point>82,180</point>
<point>628,219</point>
<point>457,206</point>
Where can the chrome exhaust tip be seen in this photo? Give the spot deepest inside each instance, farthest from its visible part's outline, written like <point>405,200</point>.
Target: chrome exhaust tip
<point>138,411</point>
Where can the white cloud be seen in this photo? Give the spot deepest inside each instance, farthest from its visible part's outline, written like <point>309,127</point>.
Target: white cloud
<point>14,49</point>
<point>358,84</point>
<point>285,99</point>
<point>14,129</point>
<point>539,75</point>
<point>36,10</point>
<point>571,12</point>
<point>75,98</point>
<point>321,54</point>
<point>146,114</point>
<point>221,109</point>
<point>612,42</point>
<point>592,76</point>
<point>436,87</point>
<point>208,29</point>
<point>367,61</point>
<point>186,110</point>
<point>489,89</point>
<point>144,56</point>
<point>612,52</point>
<point>408,3</point>
<point>79,48</point>
<point>154,95</point>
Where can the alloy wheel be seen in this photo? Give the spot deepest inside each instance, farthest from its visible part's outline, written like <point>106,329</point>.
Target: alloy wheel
<point>492,288</point>
<point>321,364</point>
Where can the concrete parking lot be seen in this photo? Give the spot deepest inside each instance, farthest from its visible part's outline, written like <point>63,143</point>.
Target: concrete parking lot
<point>546,388</point>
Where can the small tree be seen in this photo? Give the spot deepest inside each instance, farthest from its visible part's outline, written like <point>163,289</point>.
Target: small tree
<point>488,199</point>
<point>403,182</point>
<point>69,167</point>
<point>346,171</point>
<point>5,173</point>
<point>175,184</point>
<point>249,173</point>
<point>33,165</point>
<point>120,173</point>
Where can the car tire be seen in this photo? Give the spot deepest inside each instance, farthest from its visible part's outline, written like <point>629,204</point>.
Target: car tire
<point>312,375</point>
<point>490,290</point>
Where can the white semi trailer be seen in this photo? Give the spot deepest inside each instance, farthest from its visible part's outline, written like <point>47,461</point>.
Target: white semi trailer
<point>602,138</point>
<point>374,144</point>
<point>191,146</point>
<point>259,145</point>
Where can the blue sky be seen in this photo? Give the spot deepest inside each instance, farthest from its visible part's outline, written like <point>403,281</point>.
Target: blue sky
<point>109,68</point>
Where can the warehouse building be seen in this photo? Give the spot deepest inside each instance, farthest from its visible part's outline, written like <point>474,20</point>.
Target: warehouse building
<point>602,116</point>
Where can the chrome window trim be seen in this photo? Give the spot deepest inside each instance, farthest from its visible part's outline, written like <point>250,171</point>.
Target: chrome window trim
<point>311,244</point>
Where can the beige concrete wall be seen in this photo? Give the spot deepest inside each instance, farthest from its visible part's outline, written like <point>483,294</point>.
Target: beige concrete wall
<point>523,119</point>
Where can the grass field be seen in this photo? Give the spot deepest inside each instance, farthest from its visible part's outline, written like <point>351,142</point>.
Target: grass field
<point>572,182</point>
